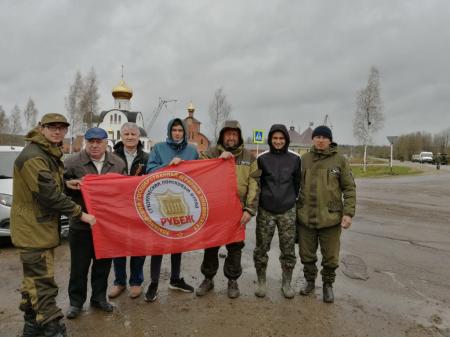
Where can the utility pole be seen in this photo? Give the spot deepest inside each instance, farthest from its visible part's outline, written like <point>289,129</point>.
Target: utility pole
<point>391,140</point>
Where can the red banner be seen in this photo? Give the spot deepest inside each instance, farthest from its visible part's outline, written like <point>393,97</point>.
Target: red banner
<point>193,205</point>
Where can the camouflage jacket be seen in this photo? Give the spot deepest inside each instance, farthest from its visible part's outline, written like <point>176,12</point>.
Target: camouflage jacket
<point>38,198</point>
<point>327,189</point>
<point>247,175</point>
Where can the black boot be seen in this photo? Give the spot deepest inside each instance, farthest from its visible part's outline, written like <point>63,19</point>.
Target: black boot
<point>308,289</point>
<point>328,296</point>
<point>31,328</point>
<point>55,328</point>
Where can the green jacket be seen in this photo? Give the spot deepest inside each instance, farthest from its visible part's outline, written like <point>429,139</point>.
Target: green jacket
<point>247,173</point>
<point>327,189</point>
<point>38,197</point>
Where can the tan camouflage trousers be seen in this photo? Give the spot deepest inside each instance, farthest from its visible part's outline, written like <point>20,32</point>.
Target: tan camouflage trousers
<point>39,289</point>
<point>266,222</point>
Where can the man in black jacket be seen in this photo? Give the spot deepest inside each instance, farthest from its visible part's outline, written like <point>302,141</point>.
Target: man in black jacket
<point>130,150</point>
<point>280,182</point>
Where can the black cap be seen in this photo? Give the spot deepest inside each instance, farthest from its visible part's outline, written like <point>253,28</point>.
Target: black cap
<point>323,131</point>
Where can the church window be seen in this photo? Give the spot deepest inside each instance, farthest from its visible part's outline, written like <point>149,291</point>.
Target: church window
<point>118,134</point>
<point>111,119</point>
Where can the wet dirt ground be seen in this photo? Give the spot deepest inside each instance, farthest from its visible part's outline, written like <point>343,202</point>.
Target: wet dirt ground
<point>400,236</point>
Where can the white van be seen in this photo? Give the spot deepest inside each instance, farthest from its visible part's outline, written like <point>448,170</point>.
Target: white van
<point>426,157</point>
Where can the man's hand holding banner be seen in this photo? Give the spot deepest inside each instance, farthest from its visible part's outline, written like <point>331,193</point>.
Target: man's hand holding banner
<point>193,205</point>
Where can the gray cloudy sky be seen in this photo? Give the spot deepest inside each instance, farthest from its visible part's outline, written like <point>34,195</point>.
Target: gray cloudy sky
<point>286,62</point>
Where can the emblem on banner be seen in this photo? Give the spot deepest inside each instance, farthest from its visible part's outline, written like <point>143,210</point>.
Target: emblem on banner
<point>172,204</point>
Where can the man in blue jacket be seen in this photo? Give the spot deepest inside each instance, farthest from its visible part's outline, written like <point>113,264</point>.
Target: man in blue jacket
<point>171,152</point>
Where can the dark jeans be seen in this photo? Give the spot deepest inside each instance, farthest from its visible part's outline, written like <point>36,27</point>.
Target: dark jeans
<point>81,256</point>
<point>136,270</point>
<point>232,267</point>
<point>155,267</point>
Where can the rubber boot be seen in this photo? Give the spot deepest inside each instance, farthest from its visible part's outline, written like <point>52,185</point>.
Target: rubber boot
<point>328,296</point>
<point>55,328</point>
<point>286,284</point>
<point>261,289</point>
<point>308,289</point>
<point>31,328</point>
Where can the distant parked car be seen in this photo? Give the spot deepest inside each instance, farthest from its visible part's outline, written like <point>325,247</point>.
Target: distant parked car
<point>8,155</point>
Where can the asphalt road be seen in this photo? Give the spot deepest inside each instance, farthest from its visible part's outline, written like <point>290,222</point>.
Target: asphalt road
<point>400,240</point>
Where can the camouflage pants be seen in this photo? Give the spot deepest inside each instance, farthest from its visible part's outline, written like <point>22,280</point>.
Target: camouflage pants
<point>39,289</point>
<point>329,240</point>
<point>266,222</point>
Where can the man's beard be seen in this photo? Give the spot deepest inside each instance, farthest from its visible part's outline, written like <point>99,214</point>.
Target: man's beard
<point>233,147</point>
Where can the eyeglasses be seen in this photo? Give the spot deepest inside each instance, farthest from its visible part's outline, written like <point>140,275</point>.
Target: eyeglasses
<point>53,128</point>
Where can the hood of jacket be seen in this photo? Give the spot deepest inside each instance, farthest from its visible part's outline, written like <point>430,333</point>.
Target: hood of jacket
<point>169,139</point>
<point>231,125</point>
<point>279,128</point>
<point>35,136</point>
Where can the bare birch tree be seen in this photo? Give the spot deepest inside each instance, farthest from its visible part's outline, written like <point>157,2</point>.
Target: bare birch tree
<point>73,105</point>
<point>15,121</point>
<point>89,99</point>
<point>4,121</point>
<point>82,102</point>
<point>30,114</point>
<point>219,111</point>
<point>369,116</point>
<point>441,141</point>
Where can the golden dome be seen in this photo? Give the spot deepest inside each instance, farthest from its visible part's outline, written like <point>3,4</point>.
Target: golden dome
<point>122,91</point>
<point>191,107</point>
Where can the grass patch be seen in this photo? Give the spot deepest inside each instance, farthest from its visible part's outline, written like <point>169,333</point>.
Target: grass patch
<point>383,171</point>
<point>370,160</point>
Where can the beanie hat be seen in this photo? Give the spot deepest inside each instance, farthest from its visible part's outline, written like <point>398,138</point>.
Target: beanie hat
<point>324,131</point>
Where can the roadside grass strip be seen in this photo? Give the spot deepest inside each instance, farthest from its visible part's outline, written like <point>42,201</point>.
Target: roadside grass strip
<point>383,171</point>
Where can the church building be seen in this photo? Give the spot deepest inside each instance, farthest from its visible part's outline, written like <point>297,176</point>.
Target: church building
<point>195,137</point>
<point>113,119</point>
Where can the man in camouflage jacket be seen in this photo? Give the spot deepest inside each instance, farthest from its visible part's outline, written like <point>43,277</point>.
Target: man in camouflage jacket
<point>230,145</point>
<point>326,204</point>
<point>39,201</point>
